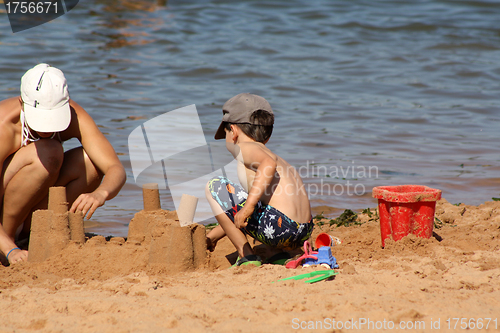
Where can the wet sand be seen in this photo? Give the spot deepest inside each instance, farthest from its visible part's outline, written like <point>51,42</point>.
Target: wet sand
<point>107,286</point>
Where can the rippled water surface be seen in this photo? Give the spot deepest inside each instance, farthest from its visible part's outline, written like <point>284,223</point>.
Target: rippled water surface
<point>398,92</point>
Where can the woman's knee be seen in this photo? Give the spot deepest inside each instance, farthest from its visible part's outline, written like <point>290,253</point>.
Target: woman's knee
<point>50,154</point>
<point>78,164</point>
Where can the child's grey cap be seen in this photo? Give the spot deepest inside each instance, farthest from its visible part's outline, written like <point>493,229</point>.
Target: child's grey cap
<point>238,110</point>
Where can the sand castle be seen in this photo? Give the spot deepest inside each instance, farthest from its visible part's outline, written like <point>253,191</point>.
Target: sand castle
<point>180,247</point>
<point>176,247</point>
<point>54,228</point>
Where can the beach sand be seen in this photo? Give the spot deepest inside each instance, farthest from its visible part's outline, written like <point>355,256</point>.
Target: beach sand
<point>107,286</point>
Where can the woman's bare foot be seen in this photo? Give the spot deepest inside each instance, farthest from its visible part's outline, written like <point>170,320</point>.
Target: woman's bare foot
<point>17,255</point>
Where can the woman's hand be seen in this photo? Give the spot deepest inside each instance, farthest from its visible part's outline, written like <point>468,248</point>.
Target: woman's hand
<point>88,202</point>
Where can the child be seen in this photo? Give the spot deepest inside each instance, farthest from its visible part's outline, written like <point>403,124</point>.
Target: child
<point>271,205</point>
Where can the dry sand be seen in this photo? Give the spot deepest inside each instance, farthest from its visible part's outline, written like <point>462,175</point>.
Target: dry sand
<point>107,286</point>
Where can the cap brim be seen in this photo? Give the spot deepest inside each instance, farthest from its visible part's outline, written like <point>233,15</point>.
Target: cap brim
<point>221,133</point>
<point>48,121</point>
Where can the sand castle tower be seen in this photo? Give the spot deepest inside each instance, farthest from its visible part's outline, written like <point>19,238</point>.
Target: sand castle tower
<point>176,247</point>
<point>54,228</point>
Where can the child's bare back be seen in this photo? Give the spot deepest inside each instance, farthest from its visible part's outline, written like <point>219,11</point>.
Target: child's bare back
<point>286,191</point>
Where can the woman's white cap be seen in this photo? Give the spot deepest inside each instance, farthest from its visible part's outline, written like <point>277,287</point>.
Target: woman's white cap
<point>46,99</point>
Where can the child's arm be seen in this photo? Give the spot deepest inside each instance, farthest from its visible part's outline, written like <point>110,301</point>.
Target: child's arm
<point>264,166</point>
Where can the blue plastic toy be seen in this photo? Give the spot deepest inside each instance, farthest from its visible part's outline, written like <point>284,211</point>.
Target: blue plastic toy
<point>324,256</point>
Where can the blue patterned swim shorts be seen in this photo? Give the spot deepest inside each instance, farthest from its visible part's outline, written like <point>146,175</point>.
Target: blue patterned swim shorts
<point>267,224</point>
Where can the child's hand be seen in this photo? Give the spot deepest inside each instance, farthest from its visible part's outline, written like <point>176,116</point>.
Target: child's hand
<point>240,219</point>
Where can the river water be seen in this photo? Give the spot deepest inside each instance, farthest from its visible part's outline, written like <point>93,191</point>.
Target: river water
<point>365,93</point>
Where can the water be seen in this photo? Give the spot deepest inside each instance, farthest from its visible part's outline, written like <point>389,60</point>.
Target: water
<point>407,90</point>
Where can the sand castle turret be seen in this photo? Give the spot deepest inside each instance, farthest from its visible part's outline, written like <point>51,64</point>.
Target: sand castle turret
<point>176,247</point>
<point>54,228</point>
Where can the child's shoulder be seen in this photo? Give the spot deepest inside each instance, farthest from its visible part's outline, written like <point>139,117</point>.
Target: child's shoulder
<point>255,147</point>
<point>252,151</point>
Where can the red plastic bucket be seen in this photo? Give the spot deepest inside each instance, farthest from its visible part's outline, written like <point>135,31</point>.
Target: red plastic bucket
<point>406,209</point>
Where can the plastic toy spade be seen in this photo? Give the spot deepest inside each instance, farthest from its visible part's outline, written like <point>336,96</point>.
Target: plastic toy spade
<point>316,276</point>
